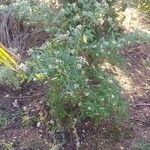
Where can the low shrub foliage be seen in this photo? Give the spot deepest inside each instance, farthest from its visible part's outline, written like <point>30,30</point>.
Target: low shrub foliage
<point>85,34</point>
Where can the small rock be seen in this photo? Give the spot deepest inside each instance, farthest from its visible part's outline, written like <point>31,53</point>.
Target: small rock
<point>24,108</point>
<point>38,124</point>
<point>83,131</point>
<point>52,121</point>
<point>77,145</point>
<point>7,95</point>
<point>15,103</point>
<point>41,102</point>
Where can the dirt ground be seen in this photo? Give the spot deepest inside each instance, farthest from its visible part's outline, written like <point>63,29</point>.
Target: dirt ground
<point>30,126</point>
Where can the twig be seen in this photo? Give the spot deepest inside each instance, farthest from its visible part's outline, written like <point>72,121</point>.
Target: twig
<point>24,97</point>
<point>140,104</point>
<point>76,138</point>
<point>6,108</point>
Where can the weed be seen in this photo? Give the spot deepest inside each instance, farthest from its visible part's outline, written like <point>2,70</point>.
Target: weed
<point>6,146</point>
<point>12,78</point>
<point>147,63</point>
<point>143,146</point>
<point>4,119</point>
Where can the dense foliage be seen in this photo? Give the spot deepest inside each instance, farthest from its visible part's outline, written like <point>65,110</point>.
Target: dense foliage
<point>69,63</point>
<point>85,35</point>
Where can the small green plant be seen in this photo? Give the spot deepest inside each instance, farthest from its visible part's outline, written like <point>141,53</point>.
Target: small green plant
<point>136,37</point>
<point>12,78</point>
<point>4,119</point>
<point>143,146</point>
<point>147,63</point>
<point>144,5</point>
<point>7,146</point>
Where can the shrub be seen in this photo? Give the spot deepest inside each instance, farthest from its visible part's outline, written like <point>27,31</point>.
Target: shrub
<point>69,63</point>
<point>85,34</point>
<point>77,88</point>
<point>30,12</point>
